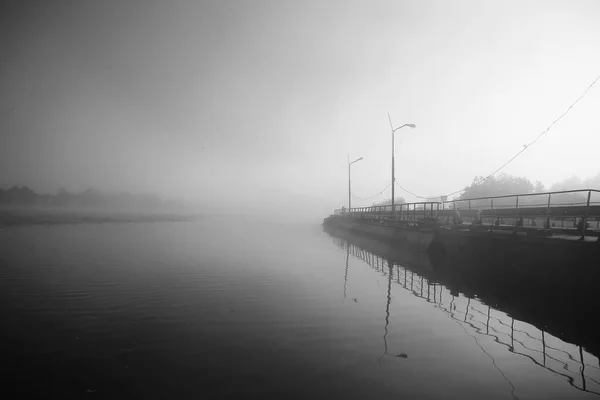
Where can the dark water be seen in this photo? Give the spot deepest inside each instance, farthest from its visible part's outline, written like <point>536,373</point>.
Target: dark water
<point>240,309</point>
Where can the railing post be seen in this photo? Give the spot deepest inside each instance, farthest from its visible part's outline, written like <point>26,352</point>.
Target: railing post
<point>492,207</point>
<point>516,214</point>
<point>469,204</point>
<point>454,216</point>
<point>585,218</point>
<point>547,222</point>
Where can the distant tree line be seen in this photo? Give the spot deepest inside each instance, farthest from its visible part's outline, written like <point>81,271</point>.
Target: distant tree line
<point>500,185</point>
<point>506,185</point>
<point>89,199</point>
<point>387,202</point>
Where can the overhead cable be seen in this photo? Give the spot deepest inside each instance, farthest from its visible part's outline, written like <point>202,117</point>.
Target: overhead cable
<point>525,147</point>
<point>372,197</point>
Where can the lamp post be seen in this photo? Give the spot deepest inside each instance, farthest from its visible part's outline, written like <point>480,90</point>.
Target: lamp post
<point>393,161</point>
<point>349,186</point>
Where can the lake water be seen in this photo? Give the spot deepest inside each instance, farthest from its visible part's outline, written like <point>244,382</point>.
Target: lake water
<point>224,308</point>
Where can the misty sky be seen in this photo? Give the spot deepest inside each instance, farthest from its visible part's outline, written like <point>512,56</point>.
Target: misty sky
<point>244,102</point>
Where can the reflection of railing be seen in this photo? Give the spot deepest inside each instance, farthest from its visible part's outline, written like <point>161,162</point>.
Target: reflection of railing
<point>567,360</point>
<point>548,210</point>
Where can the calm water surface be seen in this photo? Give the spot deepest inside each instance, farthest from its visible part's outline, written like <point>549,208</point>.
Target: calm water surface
<point>228,308</point>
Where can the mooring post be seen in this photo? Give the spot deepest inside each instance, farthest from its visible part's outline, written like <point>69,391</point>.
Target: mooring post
<point>544,347</point>
<point>454,216</point>
<point>585,217</point>
<point>512,334</point>
<point>547,223</point>
<point>516,214</point>
<point>492,205</point>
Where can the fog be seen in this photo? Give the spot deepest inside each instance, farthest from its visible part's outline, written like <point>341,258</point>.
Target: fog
<point>254,107</point>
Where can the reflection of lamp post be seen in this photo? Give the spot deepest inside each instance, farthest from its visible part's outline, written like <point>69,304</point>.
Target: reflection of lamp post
<point>387,310</point>
<point>394,131</point>
<point>349,188</point>
<point>346,274</point>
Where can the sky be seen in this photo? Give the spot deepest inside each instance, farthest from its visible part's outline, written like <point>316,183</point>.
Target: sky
<point>258,104</point>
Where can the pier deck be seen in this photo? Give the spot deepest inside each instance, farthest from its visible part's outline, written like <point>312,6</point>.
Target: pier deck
<point>561,215</point>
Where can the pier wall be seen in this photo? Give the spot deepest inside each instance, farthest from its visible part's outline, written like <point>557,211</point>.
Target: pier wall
<point>515,259</point>
<point>405,236</point>
<point>561,301</point>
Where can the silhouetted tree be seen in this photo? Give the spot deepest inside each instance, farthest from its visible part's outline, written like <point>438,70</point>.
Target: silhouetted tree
<point>386,202</point>
<point>500,185</point>
<point>568,184</point>
<point>538,187</point>
<point>89,199</point>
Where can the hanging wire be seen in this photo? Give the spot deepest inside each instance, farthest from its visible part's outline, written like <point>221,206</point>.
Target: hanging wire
<point>417,196</point>
<point>372,197</point>
<point>525,147</point>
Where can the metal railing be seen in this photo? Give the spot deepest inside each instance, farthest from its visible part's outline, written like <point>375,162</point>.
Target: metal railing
<point>526,210</point>
<point>403,211</point>
<point>545,210</point>
<point>526,200</point>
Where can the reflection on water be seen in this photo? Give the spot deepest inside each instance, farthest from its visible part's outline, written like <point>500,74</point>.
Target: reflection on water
<point>580,368</point>
<point>243,309</point>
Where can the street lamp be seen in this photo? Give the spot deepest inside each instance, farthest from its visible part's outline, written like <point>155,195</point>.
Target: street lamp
<point>393,161</point>
<point>349,187</point>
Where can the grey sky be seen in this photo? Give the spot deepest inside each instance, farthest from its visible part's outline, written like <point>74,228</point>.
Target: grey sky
<point>253,101</point>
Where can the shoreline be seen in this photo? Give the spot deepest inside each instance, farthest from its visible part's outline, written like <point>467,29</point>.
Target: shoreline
<point>10,217</point>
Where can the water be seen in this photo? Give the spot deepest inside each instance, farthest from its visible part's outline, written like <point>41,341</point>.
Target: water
<point>221,308</point>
